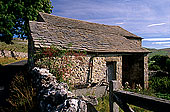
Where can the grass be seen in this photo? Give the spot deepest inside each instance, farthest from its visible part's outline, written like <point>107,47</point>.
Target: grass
<point>138,109</point>
<point>103,106</point>
<point>22,94</point>
<point>18,46</point>
<point>159,52</point>
<point>163,96</point>
<point>8,60</point>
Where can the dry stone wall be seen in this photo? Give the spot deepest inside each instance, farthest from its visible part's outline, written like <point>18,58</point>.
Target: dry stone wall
<point>5,53</point>
<point>56,97</point>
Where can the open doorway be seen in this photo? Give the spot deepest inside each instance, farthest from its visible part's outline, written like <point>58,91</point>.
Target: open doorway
<point>133,70</point>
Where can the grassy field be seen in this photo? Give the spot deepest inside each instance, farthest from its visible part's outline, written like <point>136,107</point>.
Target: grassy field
<point>18,46</point>
<point>8,60</point>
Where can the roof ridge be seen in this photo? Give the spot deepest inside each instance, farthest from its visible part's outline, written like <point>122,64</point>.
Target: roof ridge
<point>129,34</point>
<point>41,13</point>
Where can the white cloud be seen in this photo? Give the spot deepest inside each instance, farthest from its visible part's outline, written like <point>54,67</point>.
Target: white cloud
<point>120,23</point>
<point>167,45</point>
<point>159,24</point>
<point>156,39</point>
<point>160,43</point>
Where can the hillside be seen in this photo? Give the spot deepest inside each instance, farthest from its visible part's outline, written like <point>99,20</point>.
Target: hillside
<point>18,46</point>
<point>165,51</point>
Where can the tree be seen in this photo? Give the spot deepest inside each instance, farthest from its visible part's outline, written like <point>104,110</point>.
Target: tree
<point>168,65</point>
<point>15,16</point>
<point>160,61</point>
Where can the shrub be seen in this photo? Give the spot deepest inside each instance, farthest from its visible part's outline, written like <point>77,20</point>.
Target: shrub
<point>168,65</point>
<point>159,62</point>
<point>160,84</point>
<point>154,67</point>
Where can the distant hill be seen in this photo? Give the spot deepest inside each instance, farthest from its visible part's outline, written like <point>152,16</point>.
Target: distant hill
<point>165,51</point>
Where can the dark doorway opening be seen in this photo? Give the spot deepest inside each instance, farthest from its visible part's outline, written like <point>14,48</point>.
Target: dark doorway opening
<point>133,70</point>
<point>111,70</point>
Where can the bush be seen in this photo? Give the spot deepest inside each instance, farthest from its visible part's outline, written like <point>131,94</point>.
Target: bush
<point>168,65</point>
<point>160,84</point>
<point>159,62</point>
<point>154,67</point>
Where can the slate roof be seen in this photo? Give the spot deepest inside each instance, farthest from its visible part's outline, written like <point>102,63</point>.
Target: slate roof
<point>82,35</point>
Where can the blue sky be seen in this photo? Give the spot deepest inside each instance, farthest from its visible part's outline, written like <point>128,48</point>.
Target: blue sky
<point>149,19</point>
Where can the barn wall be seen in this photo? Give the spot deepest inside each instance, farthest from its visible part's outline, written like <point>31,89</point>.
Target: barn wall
<point>94,69</point>
<point>99,68</point>
<point>146,71</point>
<point>91,69</point>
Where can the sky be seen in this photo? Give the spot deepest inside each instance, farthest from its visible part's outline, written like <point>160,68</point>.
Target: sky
<point>149,19</point>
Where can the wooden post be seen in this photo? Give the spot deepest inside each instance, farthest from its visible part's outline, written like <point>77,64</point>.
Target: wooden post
<point>113,85</point>
<point>113,99</point>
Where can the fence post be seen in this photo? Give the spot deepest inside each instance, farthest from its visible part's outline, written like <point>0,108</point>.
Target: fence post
<point>113,85</point>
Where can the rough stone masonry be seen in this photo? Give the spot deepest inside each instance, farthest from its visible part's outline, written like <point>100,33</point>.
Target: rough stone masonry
<point>55,97</point>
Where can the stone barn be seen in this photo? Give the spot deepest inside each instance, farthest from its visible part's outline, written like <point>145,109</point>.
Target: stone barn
<point>113,52</point>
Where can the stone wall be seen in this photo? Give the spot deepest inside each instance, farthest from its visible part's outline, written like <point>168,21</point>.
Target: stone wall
<point>56,97</point>
<point>100,67</point>
<point>5,53</point>
<point>80,69</point>
<point>146,71</point>
<point>93,69</point>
